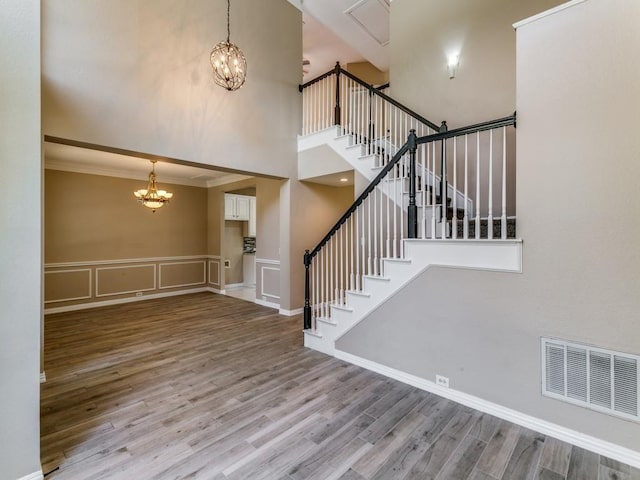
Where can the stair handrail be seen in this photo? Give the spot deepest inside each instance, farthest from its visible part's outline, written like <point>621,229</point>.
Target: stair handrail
<point>338,70</point>
<point>410,146</point>
<point>308,255</point>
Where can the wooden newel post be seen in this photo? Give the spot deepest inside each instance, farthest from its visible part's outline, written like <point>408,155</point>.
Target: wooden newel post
<point>307,303</point>
<point>336,118</point>
<point>412,210</point>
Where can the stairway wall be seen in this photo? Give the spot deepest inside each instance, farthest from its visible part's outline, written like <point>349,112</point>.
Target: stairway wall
<point>20,240</point>
<point>580,261</point>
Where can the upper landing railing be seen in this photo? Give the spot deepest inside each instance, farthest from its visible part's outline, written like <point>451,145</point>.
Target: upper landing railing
<point>339,98</point>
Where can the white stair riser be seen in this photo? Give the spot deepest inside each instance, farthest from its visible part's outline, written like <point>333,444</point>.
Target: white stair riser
<point>358,302</point>
<point>484,254</point>
<point>319,344</point>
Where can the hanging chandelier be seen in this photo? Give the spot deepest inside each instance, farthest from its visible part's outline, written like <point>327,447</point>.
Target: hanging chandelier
<point>151,197</point>
<point>228,62</point>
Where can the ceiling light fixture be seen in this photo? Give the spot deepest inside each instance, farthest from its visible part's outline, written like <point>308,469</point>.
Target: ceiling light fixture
<point>344,179</point>
<point>151,197</point>
<point>228,62</point>
<point>452,65</point>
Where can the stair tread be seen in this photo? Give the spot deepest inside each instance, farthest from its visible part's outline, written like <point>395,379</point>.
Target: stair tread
<point>396,260</point>
<point>326,320</point>
<point>377,277</point>
<point>341,307</point>
<point>313,333</point>
<point>358,293</point>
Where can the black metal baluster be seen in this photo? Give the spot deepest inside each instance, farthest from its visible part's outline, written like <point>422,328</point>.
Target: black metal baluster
<point>443,178</point>
<point>412,210</point>
<point>337,109</point>
<point>307,302</point>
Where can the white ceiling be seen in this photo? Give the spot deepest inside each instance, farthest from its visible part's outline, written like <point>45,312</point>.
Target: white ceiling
<point>96,162</point>
<point>345,31</point>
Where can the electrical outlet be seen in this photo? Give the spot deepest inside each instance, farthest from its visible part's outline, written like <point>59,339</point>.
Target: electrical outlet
<point>442,381</point>
<point>138,294</point>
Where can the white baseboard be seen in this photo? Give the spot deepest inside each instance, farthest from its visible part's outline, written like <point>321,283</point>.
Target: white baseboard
<point>43,377</point>
<point>234,285</point>
<point>117,301</point>
<point>33,476</point>
<point>602,447</point>
<point>265,303</point>
<point>291,313</point>
<point>216,290</point>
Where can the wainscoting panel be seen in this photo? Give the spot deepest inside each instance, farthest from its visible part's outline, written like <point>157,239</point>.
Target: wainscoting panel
<point>268,281</point>
<point>214,272</point>
<point>182,274</point>
<point>125,279</point>
<point>67,285</point>
<point>77,285</point>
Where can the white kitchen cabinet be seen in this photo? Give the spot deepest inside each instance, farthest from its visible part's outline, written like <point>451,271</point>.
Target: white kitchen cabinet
<point>237,207</point>
<point>252,217</point>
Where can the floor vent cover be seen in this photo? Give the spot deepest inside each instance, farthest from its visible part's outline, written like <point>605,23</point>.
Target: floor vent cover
<point>595,378</point>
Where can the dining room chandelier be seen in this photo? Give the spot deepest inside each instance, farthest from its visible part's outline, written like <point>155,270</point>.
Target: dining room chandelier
<point>228,62</point>
<point>151,197</point>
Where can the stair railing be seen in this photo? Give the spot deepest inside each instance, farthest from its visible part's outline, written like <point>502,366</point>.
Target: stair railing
<point>439,186</point>
<point>339,98</point>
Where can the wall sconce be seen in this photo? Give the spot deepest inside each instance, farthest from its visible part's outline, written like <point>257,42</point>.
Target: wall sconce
<point>452,65</point>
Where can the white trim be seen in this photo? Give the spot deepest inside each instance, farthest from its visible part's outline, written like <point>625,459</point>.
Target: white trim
<point>267,261</point>
<point>291,313</point>
<point>215,290</point>
<point>146,265</point>
<point>71,298</point>
<point>33,476</point>
<point>70,166</point>
<point>128,260</point>
<point>602,447</point>
<point>217,262</point>
<point>226,179</point>
<point>204,274</point>
<point>265,303</point>
<point>43,377</point>
<point>262,292</point>
<point>234,285</point>
<point>117,301</point>
<point>547,13</point>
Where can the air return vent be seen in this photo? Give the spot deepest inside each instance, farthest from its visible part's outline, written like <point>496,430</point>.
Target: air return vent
<point>595,378</point>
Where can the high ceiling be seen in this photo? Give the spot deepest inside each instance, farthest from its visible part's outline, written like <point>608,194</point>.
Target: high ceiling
<point>347,31</point>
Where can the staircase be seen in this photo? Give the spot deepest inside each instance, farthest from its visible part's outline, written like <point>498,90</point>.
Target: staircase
<point>430,202</point>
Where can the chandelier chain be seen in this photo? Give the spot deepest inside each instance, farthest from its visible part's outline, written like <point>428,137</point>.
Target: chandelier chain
<point>228,21</point>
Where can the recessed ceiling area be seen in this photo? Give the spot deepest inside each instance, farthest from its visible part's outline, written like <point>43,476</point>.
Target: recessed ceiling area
<point>360,26</point>
<point>339,179</point>
<point>96,162</point>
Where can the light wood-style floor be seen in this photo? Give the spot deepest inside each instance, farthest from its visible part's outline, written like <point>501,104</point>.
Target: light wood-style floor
<point>206,386</point>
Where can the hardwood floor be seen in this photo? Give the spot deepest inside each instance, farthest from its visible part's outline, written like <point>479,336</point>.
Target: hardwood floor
<point>205,386</point>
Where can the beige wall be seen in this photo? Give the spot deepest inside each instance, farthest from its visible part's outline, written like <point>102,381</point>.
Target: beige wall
<point>135,74</point>
<point>20,238</point>
<point>93,217</point>
<point>368,72</point>
<point>115,248</point>
<point>425,32</point>
<point>233,233</point>
<point>311,210</point>
<point>577,187</point>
